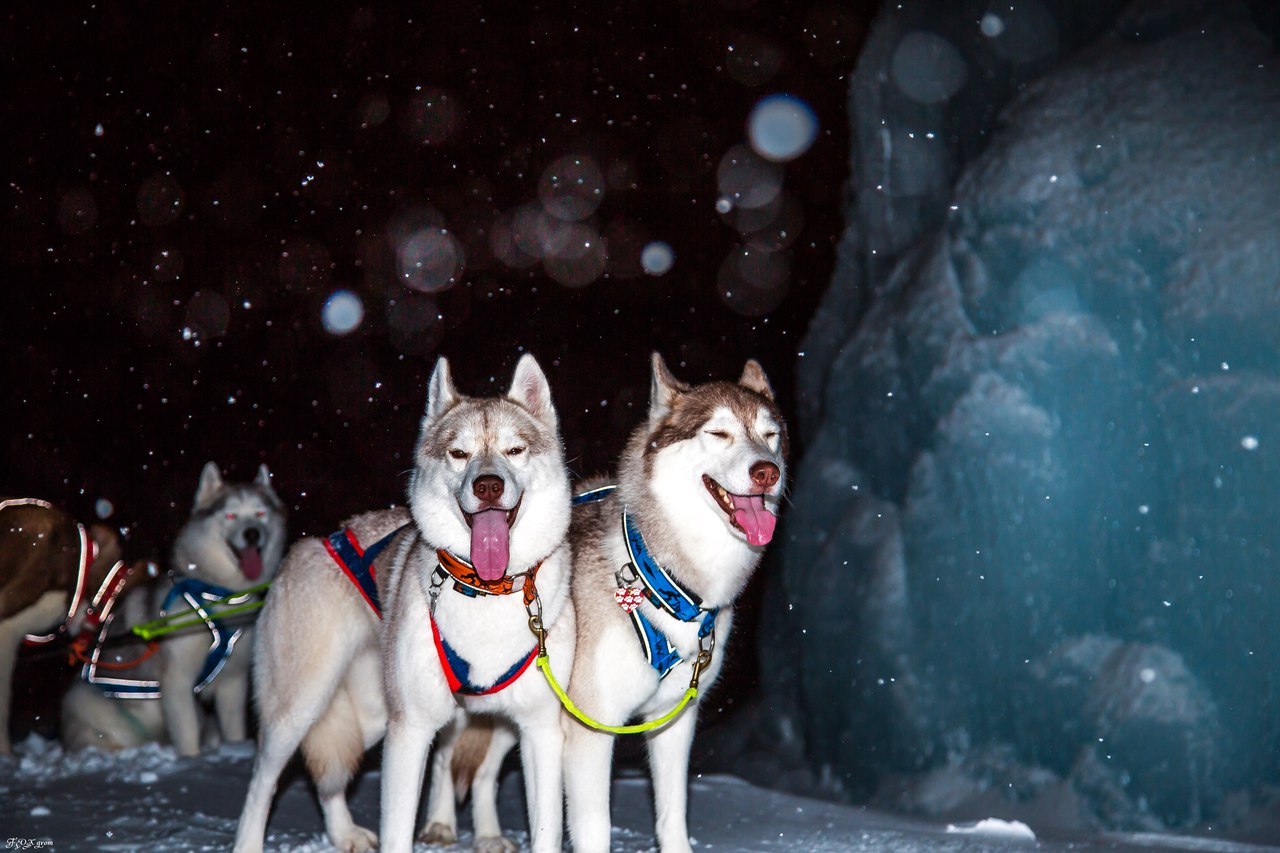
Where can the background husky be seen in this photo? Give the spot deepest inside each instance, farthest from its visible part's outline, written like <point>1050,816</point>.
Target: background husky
<point>46,561</point>
<point>701,479</point>
<point>489,486</point>
<point>234,539</point>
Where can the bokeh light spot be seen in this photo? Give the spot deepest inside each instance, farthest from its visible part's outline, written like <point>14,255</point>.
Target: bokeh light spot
<point>342,312</point>
<point>781,127</point>
<point>746,179</point>
<point>657,258</point>
<point>571,188</point>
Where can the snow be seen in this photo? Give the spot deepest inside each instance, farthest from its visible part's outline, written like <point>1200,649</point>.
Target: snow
<point>150,799</point>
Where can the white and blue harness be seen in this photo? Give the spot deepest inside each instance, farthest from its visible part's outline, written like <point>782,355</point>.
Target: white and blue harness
<point>659,588</point>
<point>197,594</point>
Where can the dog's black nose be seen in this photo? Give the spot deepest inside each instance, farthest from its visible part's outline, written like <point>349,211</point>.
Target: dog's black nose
<point>252,536</point>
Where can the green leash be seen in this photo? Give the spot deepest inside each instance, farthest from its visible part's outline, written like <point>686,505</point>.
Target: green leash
<point>178,621</point>
<point>700,663</point>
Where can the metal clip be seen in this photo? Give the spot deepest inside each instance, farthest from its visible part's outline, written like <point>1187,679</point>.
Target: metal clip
<point>433,591</point>
<point>621,575</point>
<point>706,648</point>
<point>534,609</point>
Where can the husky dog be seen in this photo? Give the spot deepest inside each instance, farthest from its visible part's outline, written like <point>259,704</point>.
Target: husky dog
<point>488,513</point>
<point>695,505</point>
<point>234,539</point>
<point>50,565</point>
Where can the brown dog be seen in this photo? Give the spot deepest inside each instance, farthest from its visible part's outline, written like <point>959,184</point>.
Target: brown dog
<point>50,567</point>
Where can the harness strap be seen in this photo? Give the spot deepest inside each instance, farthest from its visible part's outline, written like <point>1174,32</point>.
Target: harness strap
<point>659,587</point>
<point>358,563</point>
<point>665,594</point>
<point>658,650</point>
<point>458,671</point>
<point>196,592</point>
<point>88,553</point>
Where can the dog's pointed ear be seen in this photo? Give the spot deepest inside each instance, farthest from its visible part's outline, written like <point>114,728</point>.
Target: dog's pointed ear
<point>210,483</point>
<point>531,391</point>
<point>753,379</point>
<point>663,388</point>
<point>264,477</point>
<point>441,395</point>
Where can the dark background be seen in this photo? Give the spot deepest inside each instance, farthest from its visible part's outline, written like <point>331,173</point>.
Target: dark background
<point>162,174</point>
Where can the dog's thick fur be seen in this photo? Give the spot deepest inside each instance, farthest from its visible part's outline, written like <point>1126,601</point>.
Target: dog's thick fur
<point>320,671</point>
<point>235,539</point>
<point>733,434</point>
<point>39,569</point>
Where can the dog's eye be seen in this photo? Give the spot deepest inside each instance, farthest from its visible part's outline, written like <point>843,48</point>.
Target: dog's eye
<point>262,513</point>
<point>770,435</point>
<point>231,516</point>
<point>719,433</point>
<point>458,453</point>
<point>515,451</point>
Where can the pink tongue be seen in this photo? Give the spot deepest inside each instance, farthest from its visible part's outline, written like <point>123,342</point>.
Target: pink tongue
<point>753,518</point>
<point>490,545</point>
<point>251,563</point>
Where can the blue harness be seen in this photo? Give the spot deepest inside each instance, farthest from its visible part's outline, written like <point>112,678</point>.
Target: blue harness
<point>660,589</point>
<point>357,562</point>
<point>197,593</point>
<point>358,565</point>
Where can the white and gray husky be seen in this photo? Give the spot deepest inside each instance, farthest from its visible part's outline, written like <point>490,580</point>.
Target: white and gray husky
<point>234,539</point>
<point>699,486</point>
<point>659,560</point>
<point>454,579</point>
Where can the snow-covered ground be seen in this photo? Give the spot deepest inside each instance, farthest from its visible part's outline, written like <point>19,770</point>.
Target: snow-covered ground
<point>148,799</point>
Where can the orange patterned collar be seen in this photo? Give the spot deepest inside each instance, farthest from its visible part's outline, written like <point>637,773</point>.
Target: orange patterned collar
<point>468,581</point>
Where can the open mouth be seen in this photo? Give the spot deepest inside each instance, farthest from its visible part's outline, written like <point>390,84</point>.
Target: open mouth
<point>491,539</point>
<point>250,560</point>
<point>747,513</point>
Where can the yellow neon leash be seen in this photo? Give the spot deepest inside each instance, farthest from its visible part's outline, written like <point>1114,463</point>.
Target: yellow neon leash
<point>186,619</point>
<point>544,663</point>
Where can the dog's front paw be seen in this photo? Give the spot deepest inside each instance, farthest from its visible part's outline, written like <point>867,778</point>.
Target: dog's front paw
<point>437,833</point>
<point>357,839</point>
<point>495,844</point>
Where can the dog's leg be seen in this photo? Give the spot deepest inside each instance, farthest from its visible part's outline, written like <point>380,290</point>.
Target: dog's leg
<point>588,758</point>
<point>404,759</point>
<point>669,765</point>
<point>542,749</point>
<point>277,741</point>
<point>441,824</point>
<point>39,616</point>
<point>484,789</point>
<point>419,704</point>
<point>289,709</point>
<point>333,748</point>
<point>180,659</point>
<point>230,700</point>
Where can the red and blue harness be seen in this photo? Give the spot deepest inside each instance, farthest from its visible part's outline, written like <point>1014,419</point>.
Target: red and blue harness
<point>358,564</point>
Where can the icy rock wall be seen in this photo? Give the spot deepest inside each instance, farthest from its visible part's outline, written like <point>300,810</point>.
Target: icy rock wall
<point>1038,502</point>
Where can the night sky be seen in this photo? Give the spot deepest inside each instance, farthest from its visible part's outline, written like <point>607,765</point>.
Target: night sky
<point>185,191</point>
